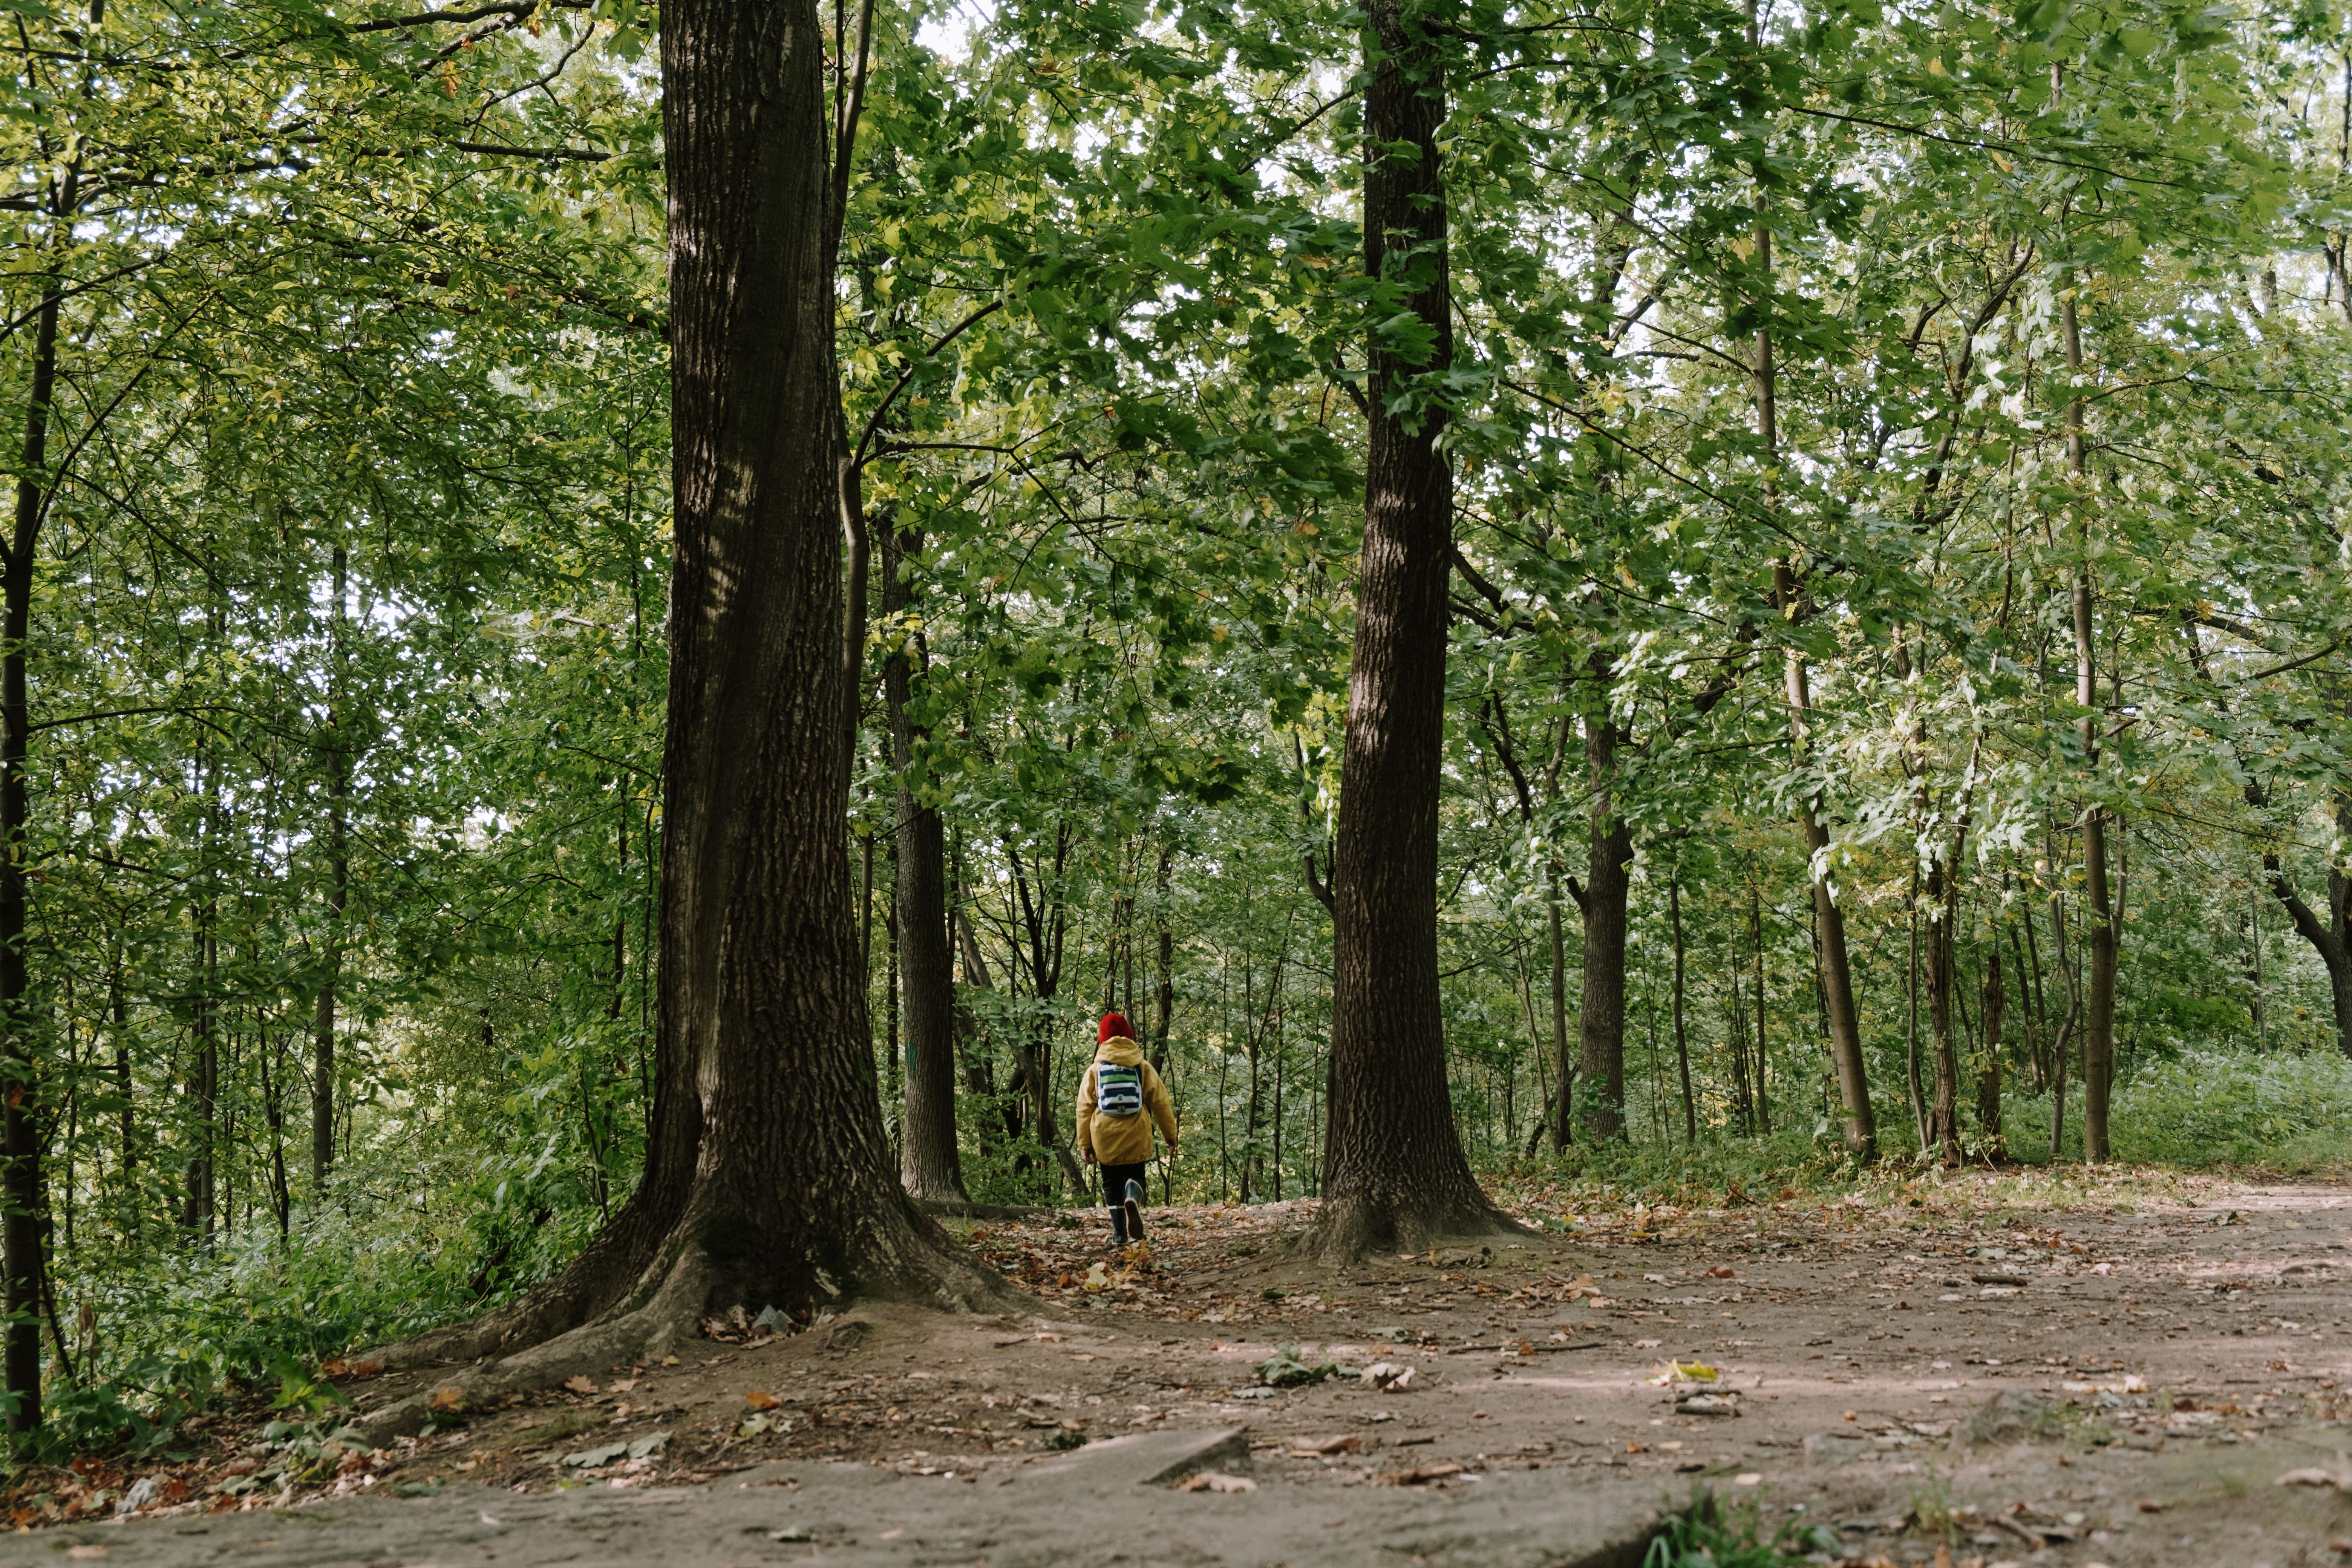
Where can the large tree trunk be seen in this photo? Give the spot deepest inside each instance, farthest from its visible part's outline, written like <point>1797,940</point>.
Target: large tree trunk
<point>1394,1170</point>
<point>928,1164</point>
<point>20,1147</point>
<point>1601,1027</point>
<point>768,1176</point>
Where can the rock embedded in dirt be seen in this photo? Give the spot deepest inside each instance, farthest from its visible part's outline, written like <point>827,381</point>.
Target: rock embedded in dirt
<point>2009,1417</point>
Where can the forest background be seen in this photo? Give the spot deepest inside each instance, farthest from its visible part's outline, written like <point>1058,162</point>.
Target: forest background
<point>1899,605</point>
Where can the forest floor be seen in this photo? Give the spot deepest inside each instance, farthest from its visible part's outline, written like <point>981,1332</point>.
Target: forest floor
<point>1976,1369</point>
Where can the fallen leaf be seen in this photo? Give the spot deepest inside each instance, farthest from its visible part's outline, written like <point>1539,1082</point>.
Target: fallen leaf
<point>1216,1481</point>
<point>85,1550</point>
<point>1421,1475</point>
<point>759,1399</point>
<point>1348,1444</point>
<point>623,1384</point>
<point>580,1384</point>
<point>2316,1475</point>
<point>1719,1272</point>
<point>1387,1375</point>
<point>446,1399</point>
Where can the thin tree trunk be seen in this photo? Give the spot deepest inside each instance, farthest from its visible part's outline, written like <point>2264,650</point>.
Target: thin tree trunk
<point>1395,1172</point>
<point>1944,1109</point>
<point>1995,1000</point>
<point>1165,992</point>
<point>1755,950</point>
<point>1563,1065</point>
<point>2099,1014</point>
<point>1600,1025</point>
<point>1837,973</point>
<point>1829,920</point>
<point>1682,1038</point>
<point>1911,1016</point>
<point>930,1163</point>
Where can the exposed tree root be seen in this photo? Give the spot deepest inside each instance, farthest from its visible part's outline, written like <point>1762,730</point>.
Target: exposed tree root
<point>662,1325</point>
<point>1345,1231</point>
<point>577,1323</point>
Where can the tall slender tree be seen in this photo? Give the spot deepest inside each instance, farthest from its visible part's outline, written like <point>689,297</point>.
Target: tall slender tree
<point>1394,1168</point>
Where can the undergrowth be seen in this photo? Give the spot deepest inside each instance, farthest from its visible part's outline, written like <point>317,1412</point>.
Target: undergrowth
<point>1706,1534</point>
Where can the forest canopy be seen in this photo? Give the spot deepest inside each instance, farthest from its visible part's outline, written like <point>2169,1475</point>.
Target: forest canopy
<point>1874,524</point>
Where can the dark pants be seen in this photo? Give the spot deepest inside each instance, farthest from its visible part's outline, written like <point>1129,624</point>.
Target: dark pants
<point>1115,1180</point>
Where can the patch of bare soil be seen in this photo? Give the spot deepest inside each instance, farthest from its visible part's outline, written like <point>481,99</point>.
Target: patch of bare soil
<point>1953,1375</point>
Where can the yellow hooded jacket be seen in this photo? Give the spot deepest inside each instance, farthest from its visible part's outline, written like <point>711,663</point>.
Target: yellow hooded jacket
<point>1123,1140</point>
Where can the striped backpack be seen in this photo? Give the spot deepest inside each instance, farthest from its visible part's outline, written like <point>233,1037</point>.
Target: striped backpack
<point>1119,1090</point>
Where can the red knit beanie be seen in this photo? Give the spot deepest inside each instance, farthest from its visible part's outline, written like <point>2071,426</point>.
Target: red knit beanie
<point>1113,1024</point>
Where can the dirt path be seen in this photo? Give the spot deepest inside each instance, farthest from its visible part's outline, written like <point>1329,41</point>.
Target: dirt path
<point>1958,1367</point>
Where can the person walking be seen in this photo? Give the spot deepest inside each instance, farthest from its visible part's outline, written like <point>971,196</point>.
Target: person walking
<point>1114,1095</point>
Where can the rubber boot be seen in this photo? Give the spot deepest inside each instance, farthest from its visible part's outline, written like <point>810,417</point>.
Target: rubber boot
<point>1119,1227</point>
<point>1132,1211</point>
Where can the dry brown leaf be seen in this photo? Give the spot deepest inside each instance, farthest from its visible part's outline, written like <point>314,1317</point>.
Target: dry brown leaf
<point>1216,1481</point>
<point>623,1384</point>
<point>1347,1444</point>
<point>580,1383</point>
<point>759,1399</point>
<point>1421,1475</point>
<point>447,1397</point>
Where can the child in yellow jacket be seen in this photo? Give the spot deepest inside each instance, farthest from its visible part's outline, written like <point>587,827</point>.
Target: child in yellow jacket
<point>1114,1094</point>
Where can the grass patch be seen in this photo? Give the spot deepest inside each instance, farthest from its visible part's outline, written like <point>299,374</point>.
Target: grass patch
<point>1708,1534</point>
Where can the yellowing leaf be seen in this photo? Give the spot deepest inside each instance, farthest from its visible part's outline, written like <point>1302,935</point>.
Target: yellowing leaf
<point>447,1397</point>
<point>759,1399</point>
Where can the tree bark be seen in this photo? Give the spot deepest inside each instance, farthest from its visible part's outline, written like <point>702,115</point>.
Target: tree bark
<point>1829,920</point>
<point>1995,1002</point>
<point>1165,992</point>
<point>1682,1039</point>
<point>1944,1107</point>
<point>2099,1003</point>
<point>20,1230</point>
<point>1763,1056</point>
<point>768,1175</point>
<point>1394,1170</point>
<point>929,1165</point>
<point>1600,1025</point>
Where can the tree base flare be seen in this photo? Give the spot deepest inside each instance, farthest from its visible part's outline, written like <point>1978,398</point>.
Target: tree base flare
<point>1345,1232</point>
<point>663,1316</point>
